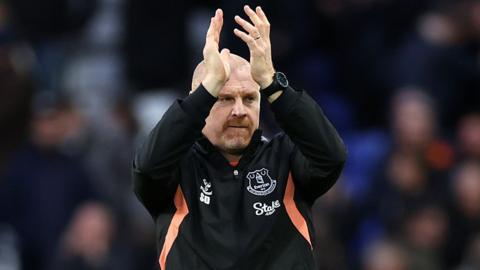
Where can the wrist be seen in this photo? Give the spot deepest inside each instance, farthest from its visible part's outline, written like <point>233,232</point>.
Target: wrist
<point>278,83</point>
<point>267,80</point>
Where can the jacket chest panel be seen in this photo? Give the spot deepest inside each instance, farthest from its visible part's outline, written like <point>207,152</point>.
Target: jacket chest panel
<point>231,193</point>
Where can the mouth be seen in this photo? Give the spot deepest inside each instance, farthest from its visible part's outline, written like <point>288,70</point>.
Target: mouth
<point>237,129</point>
<point>235,124</point>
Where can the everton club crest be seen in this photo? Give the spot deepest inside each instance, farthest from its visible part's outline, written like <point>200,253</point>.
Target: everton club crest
<point>260,183</point>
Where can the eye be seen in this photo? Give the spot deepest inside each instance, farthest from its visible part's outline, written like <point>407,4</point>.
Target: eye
<point>250,99</point>
<point>225,99</point>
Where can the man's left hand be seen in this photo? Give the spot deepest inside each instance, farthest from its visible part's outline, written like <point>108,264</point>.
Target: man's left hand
<point>258,42</point>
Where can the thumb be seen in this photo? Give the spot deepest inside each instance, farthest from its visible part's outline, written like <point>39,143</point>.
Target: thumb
<point>225,55</point>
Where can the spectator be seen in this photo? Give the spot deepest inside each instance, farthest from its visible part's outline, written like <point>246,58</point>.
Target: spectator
<point>89,241</point>
<point>43,185</point>
<point>424,235</point>
<point>471,260</point>
<point>385,254</point>
<point>468,136</point>
<point>439,57</point>
<point>411,173</point>
<point>464,211</point>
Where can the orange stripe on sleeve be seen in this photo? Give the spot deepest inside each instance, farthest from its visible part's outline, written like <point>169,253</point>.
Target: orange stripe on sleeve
<point>172,232</point>
<point>297,219</point>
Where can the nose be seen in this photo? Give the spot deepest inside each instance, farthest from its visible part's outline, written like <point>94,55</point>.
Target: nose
<point>238,109</point>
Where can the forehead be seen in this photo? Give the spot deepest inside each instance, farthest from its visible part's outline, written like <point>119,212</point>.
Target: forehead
<point>239,88</point>
<point>240,82</point>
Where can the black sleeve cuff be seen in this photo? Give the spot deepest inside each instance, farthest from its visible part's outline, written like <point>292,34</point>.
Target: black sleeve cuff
<point>198,104</point>
<point>284,103</point>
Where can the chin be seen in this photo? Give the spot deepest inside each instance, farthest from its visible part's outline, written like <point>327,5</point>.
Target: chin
<point>235,146</point>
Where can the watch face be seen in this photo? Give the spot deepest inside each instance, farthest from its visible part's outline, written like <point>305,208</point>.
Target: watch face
<point>282,79</point>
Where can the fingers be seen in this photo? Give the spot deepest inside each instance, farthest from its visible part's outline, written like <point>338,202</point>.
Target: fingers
<point>217,68</point>
<point>247,39</point>
<point>260,26</point>
<point>262,16</point>
<point>216,23</point>
<point>252,30</point>
<point>252,15</point>
<point>259,19</point>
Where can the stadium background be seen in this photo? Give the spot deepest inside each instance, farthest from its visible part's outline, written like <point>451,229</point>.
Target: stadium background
<point>82,81</point>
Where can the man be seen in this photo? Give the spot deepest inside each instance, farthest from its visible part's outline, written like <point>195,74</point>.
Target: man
<point>223,197</point>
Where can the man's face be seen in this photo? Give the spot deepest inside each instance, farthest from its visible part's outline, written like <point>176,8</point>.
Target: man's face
<point>235,115</point>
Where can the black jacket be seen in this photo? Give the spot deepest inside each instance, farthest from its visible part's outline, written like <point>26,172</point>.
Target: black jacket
<point>255,215</point>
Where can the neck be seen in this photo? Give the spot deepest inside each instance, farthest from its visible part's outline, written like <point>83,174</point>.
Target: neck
<point>231,157</point>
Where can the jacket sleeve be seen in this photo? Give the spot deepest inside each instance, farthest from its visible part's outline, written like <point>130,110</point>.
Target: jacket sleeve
<point>156,160</point>
<point>318,153</point>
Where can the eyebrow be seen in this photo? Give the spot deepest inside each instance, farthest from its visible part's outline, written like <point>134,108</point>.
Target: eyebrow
<point>242,93</point>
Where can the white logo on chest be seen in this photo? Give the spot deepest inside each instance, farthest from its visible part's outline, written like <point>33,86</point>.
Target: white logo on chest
<point>260,183</point>
<point>265,209</point>
<point>205,192</point>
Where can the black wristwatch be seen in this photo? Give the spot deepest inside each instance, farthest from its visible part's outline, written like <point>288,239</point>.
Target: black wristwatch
<point>279,83</point>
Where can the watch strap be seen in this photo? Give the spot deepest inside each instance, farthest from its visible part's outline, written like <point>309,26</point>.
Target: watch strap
<point>274,87</point>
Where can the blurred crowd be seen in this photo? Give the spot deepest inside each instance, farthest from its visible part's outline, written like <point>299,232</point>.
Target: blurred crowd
<point>83,81</point>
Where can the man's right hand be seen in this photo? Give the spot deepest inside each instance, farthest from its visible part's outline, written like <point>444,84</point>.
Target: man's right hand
<point>217,67</point>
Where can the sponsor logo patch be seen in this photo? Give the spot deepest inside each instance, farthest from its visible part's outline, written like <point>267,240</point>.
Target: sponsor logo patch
<point>265,209</point>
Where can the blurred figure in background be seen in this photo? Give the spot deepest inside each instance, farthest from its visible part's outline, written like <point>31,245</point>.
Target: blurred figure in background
<point>471,259</point>
<point>43,185</point>
<point>409,174</point>
<point>354,41</point>
<point>88,242</point>
<point>416,152</point>
<point>50,27</point>
<point>440,56</point>
<point>15,97</point>
<point>9,251</point>
<point>329,220</point>
<point>105,145</point>
<point>424,235</point>
<point>416,130</point>
<point>464,210</point>
<point>385,255</point>
<point>468,136</point>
